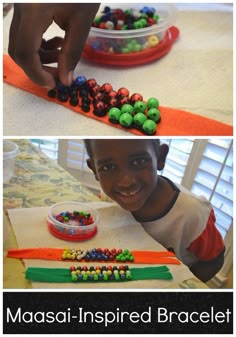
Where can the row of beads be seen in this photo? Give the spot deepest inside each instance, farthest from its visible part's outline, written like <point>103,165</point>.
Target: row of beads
<point>100,273</point>
<point>118,19</point>
<point>75,218</point>
<point>103,98</point>
<point>98,254</point>
<point>123,46</point>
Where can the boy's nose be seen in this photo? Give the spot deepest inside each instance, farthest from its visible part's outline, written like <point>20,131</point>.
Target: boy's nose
<point>126,179</point>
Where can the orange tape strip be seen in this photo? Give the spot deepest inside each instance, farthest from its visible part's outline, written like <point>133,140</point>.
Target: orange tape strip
<point>173,122</point>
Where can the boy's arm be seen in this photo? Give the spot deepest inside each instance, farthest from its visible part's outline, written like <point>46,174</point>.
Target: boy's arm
<point>205,270</point>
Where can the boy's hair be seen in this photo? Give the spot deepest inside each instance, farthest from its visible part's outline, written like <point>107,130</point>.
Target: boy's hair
<point>87,142</point>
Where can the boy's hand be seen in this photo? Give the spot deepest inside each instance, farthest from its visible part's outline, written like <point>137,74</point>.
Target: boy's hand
<point>28,49</point>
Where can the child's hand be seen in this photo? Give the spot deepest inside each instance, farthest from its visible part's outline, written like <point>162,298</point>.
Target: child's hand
<point>28,49</point>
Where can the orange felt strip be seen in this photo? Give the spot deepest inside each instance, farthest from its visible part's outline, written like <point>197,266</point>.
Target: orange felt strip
<point>155,257</point>
<point>36,253</point>
<point>173,122</point>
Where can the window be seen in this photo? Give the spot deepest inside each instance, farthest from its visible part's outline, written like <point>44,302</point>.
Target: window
<point>48,145</point>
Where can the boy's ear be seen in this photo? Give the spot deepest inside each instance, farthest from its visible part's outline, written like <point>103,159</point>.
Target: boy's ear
<point>91,166</point>
<point>162,154</point>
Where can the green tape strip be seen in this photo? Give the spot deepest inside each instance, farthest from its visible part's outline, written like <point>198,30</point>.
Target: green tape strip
<point>63,275</point>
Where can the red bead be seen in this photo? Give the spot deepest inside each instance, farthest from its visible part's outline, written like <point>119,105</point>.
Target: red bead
<point>95,90</point>
<point>106,87</point>
<point>136,97</point>
<point>99,96</point>
<point>100,105</point>
<point>123,92</point>
<point>91,82</point>
<point>102,25</point>
<point>151,21</point>
<point>124,100</point>
<point>112,94</point>
<point>113,103</point>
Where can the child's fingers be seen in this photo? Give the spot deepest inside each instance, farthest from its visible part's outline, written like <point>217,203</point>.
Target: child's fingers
<point>77,30</point>
<point>25,45</point>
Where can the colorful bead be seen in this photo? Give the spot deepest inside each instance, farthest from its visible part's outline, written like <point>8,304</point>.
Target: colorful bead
<point>103,274</point>
<point>149,127</point>
<point>140,106</point>
<point>152,103</point>
<point>154,114</point>
<point>153,40</point>
<point>139,119</point>
<point>126,119</point>
<point>127,108</point>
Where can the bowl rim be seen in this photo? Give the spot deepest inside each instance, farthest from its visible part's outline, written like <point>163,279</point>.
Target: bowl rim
<point>55,222</point>
<point>161,26</point>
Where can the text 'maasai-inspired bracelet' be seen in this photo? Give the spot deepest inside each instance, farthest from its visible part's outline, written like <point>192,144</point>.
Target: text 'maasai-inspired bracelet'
<point>82,274</point>
<point>95,255</point>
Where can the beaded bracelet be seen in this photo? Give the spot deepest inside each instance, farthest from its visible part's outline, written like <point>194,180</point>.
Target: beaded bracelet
<point>104,100</point>
<point>97,274</point>
<point>95,254</point>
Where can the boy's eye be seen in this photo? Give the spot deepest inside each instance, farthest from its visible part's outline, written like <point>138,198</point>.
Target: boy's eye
<point>140,162</point>
<point>107,168</point>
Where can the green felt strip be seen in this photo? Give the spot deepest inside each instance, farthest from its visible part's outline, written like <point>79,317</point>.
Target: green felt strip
<point>63,275</point>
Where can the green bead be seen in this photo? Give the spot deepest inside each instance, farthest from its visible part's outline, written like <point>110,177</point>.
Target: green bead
<point>152,103</point>
<point>126,119</point>
<point>137,47</point>
<point>124,27</point>
<point>156,17</point>
<point>125,50</point>
<point>85,277</point>
<point>149,127</point>
<point>139,119</point>
<point>105,277</point>
<point>95,277</point>
<point>127,108</point>
<point>154,114</point>
<point>114,114</point>
<point>138,24</point>
<point>140,106</point>
<point>98,20</point>
<point>74,278</point>
<point>143,21</point>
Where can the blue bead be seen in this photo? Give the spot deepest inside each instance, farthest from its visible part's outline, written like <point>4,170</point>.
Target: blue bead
<point>80,80</point>
<point>106,9</point>
<point>96,45</point>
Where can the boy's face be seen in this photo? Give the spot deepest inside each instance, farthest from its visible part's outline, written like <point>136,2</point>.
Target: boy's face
<point>126,170</point>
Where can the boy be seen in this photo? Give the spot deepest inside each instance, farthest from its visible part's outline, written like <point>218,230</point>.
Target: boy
<point>181,222</point>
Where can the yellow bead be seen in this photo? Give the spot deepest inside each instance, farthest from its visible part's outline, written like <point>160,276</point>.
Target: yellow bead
<point>153,40</point>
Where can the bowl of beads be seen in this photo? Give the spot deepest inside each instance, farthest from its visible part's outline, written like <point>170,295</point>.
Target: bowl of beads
<point>131,34</point>
<point>72,221</point>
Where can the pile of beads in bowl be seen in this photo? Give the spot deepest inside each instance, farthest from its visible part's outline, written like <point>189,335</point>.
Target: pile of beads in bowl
<point>100,273</point>
<point>120,19</point>
<point>125,20</point>
<point>75,218</point>
<point>128,110</point>
<point>98,254</point>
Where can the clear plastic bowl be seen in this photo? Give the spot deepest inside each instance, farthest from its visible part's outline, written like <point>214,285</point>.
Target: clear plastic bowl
<point>72,231</point>
<point>100,43</point>
<point>10,151</point>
